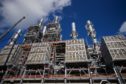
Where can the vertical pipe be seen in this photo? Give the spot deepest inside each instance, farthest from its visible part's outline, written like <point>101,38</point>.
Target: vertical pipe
<point>65,79</point>
<point>74,33</point>
<point>73,26</point>
<point>44,30</point>
<point>56,19</point>
<point>61,37</point>
<point>40,23</point>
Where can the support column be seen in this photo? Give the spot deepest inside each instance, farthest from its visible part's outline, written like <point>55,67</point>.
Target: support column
<point>90,75</point>
<point>65,79</point>
<point>42,81</point>
<point>21,82</point>
<point>118,75</point>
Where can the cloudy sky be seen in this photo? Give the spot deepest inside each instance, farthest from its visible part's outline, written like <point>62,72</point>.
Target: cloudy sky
<point>108,16</point>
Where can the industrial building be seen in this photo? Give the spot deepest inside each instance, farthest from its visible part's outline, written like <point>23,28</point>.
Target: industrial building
<point>44,58</point>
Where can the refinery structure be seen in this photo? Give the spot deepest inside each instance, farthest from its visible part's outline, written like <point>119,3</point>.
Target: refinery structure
<point>44,58</point>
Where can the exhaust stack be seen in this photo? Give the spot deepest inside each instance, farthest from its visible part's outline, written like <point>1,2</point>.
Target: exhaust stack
<point>74,34</point>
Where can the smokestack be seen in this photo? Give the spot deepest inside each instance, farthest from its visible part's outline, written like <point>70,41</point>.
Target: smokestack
<point>73,26</point>
<point>74,33</point>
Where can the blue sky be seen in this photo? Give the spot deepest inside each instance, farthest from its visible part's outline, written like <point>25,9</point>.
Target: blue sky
<point>106,15</point>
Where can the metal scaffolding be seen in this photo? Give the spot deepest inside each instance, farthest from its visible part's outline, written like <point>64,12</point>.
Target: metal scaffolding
<point>44,58</point>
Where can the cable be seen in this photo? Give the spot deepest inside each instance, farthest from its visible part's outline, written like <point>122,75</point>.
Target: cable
<point>5,33</point>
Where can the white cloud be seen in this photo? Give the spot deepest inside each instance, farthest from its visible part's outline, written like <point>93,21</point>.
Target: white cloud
<point>13,10</point>
<point>123,27</point>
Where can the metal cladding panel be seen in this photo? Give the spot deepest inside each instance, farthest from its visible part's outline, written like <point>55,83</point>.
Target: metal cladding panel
<point>118,44</point>
<point>75,56</point>
<point>114,38</point>
<point>39,53</point>
<point>38,50</point>
<point>116,47</point>
<point>118,54</point>
<point>75,51</point>
<point>75,42</point>
<point>43,44</point>
<point>37,58</point>
<point>75,48</point>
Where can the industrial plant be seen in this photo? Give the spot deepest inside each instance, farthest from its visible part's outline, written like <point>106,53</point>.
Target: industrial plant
<point>44,58</point>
